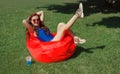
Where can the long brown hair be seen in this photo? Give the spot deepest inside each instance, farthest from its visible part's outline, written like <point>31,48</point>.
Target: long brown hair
<point>41,24</point>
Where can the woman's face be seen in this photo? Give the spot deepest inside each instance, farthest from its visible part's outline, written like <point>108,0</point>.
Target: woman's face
<point>35,20</point>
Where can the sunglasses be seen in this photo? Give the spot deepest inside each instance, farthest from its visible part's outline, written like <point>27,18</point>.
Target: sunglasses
<point>35,20</point>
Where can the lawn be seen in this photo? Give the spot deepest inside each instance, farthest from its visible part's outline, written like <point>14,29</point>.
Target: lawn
<point>100,27</point>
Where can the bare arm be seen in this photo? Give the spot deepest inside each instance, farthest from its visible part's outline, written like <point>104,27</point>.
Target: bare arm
<point>27,25</point>
<point>41,14</point>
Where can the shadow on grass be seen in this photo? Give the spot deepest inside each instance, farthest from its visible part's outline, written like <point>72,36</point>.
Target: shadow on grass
<point>111,22</point>
<point>79,50</point>
<point>90,7</point>
<point>67,8</point>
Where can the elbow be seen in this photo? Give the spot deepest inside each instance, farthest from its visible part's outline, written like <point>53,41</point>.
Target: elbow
<point>41,12</point>
<point>24,21</point>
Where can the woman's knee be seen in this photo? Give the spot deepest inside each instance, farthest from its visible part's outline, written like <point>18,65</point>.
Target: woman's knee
<point>61,25</point>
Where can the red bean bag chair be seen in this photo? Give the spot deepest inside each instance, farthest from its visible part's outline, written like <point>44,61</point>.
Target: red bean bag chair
<point>53,51</point>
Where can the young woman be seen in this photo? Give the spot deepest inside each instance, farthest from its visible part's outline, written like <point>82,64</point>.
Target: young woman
<point>35,23</point>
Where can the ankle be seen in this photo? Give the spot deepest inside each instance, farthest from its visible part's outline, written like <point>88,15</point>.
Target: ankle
<point>77,15</point>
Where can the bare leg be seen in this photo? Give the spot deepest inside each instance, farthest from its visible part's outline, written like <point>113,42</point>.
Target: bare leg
<point>60,32</point>
<point>76,38</point>
<point>71,21</point>
<point>62,27</point>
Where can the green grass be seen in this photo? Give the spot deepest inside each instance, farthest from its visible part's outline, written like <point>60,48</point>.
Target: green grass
<point>100,27</point>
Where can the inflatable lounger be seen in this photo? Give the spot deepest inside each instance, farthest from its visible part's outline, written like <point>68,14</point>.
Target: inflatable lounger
<point>53,51</point>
